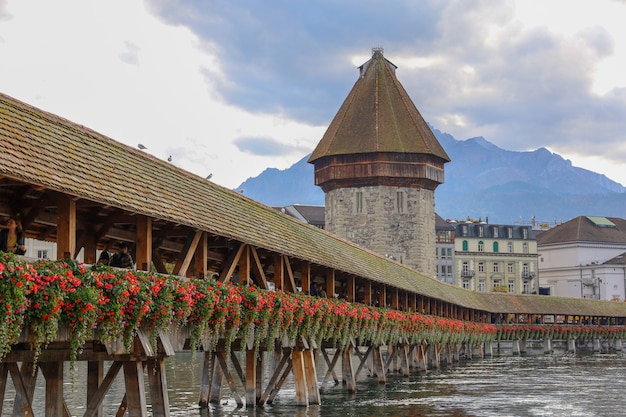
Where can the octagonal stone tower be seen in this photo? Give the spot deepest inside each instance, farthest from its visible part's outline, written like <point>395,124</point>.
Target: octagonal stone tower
<point>379,165</point>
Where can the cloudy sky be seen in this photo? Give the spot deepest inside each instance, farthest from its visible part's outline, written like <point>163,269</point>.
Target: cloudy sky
<point>231,87</point>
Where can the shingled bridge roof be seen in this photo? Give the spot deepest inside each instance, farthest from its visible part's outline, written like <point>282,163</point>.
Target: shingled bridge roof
<point>47,151</point>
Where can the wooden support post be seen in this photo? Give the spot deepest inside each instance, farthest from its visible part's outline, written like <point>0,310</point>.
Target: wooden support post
<point>55,404</point>
<point>66,226</point>
<point>377,364</point>
<point>135,393</point>
<point>347,373</point>
<point>221,360</point>
<point>311,376</point>
<point>208,371</point>
<point>4,373</point>
<point>274,383</point>
<point>330,284</point>
<point>200,257</point>
<point>251,378</point>
<point>259,377</point>
<point>331,366</point>
<point>394,298</point>
<point>367,292</point>
<point>24,381</point>
<point>95,373</point>
<point>299,377</point>
<point>158,387</point>
<point>306,278</point>
<point>94,403</point>
<point>404,359</point>
<point>382,295</point>
<point>279,273</point>
<point>89,254</point>
<point>422,357</point>
<point>143,243</point>
<point>350,288</point>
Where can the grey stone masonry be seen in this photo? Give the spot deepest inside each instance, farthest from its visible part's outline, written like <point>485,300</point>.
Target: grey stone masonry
<point>397,222</point>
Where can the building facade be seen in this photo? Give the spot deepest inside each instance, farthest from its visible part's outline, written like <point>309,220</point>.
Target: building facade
<point>499,258</point>
<point>444,250</point>
<point>584,258</point>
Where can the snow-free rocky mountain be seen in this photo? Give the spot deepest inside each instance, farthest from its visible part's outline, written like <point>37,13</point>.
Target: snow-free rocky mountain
<point>483,182</point>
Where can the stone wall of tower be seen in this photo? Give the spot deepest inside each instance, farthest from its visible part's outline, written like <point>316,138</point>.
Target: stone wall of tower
<point>395,222</point>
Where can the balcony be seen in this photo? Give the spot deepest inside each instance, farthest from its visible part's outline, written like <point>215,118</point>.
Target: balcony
<point>527,274</point>
<point>467,273</point>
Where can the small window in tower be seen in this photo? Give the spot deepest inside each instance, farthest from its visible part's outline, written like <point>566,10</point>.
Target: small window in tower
<point>359,202</point>
<point>400,201</point>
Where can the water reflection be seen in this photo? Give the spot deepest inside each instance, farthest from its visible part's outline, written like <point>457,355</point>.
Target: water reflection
<point>552,385</point>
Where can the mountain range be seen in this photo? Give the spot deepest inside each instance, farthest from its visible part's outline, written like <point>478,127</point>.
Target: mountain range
<point>482,181</point>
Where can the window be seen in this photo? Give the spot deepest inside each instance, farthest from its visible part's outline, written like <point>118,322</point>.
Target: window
<point>481,231</point>
<point>496,267</point>
<point>449,252</point>
<point>449,270</point>
<point>509,232</point>
<point>466,284</point>
<point>511,285</point>
<point>444,236</point>
<point>525,269</point>
<point>495,232</point>
<point>525,248</point>
<point>481,267</point>
<point>42,254</point>
<point>495,247</point>
<point>481,285</point>
<point>524,233</point>
<point>465,267</point>
<point>359,202</point>
<point>509,247</point>
<point>481,246</point>
<point>465,246</point>
<point>526,287</point>
<point>437,252</point>
<point>509,268</point>
<point>400,201</point>
<point>464,230</point>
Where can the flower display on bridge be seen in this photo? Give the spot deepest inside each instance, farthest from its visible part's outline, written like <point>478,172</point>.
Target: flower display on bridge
<point>106,304</point>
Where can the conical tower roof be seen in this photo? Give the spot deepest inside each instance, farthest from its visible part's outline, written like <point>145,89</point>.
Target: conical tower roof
<point>378,116</point>
<point>378,137</point>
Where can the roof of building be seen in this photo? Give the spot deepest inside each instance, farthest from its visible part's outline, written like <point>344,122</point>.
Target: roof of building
<point>586,229</point>
<point>378,116</point>
<point>310,214</point>
<point>441,224</point>
<point>45,151</point>
<point>493,231</point>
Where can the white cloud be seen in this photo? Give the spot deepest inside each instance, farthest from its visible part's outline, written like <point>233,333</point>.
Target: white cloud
<point>115,68</point>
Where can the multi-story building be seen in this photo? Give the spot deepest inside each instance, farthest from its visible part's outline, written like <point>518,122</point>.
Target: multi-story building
<point>444,250</point>
<point>492,257</point>
<point>584,258</point>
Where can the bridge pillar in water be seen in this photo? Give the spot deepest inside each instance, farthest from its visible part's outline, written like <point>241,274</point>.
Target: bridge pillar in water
<point>617,345</point>
<point>547,346</point>
<point>571,345</point>
<point>485,349</point>
<point>422,357</point>
<point>523,346</point>
<point>515,346</point>
<point>378,366</point>
<point>596,345</point>
<point>347,371</point>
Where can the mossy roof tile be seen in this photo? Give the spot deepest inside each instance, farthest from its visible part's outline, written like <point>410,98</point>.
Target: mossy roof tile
<point>43,149</point>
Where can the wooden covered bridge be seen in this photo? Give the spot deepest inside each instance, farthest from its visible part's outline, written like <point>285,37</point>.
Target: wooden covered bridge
<point>85,191</point>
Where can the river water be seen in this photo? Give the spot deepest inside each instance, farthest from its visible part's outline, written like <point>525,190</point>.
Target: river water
<point>581,384</point>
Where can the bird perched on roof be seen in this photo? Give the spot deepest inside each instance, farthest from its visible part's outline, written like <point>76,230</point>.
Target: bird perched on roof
<point>140,146</point>
<point>208,177</point>
<point>169,158</point>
